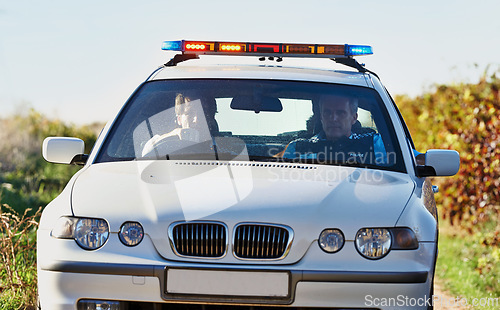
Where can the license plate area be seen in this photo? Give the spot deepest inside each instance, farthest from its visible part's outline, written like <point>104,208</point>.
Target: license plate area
<point>220,285</point>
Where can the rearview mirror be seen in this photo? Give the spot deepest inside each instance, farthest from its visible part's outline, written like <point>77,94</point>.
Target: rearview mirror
<point>256,104</point>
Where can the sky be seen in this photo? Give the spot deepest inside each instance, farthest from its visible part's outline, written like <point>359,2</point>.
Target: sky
<point>79,61</point>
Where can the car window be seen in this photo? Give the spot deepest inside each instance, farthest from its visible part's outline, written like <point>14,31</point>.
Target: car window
<point>257,120</point>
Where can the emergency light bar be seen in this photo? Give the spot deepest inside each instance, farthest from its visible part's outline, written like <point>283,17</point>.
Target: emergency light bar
<point>267,49</point>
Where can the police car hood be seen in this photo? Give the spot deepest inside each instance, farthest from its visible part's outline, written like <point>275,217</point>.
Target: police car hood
<point>305,198</point>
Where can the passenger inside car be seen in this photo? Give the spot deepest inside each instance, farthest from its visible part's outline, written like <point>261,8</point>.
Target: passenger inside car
<point>195,116</point>
<point>194,111</point>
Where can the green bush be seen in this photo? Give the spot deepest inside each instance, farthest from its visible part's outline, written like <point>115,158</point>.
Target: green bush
<point>466,118</point>
<point>27,181</point>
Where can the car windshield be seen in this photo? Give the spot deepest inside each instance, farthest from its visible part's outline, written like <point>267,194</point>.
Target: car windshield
<point>254,120</point>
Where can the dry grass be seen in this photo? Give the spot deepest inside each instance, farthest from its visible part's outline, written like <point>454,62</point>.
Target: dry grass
<point>18,286</point>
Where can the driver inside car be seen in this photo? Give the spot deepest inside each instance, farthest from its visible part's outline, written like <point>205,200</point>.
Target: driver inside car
<point>338,139</point>
<point>195,117</point>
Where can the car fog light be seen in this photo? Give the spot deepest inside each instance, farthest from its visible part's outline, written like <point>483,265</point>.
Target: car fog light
<point>131,233</point>
<point>100,305</point>
<point>373,243</point>
<point>91,234</point>
<point>331,240</point>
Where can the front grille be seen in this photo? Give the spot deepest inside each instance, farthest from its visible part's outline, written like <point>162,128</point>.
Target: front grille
<point>199,239</point>
<point>257,241</point>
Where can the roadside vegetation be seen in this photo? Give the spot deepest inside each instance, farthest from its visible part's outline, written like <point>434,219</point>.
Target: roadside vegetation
<point>27,184</point>
<point>466,118</point>
<point>27,181</point>
<point>17,251</point>
<point>463,117</point>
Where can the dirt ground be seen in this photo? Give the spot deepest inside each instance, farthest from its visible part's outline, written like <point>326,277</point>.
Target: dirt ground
<point>446,298</point>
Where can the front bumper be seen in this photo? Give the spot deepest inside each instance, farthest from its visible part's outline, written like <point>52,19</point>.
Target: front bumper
<point>68,274</point>
<point>139,273</point>
<point>75,286</point>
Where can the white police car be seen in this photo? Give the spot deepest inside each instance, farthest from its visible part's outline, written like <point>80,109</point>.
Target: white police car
<point>245,187</point>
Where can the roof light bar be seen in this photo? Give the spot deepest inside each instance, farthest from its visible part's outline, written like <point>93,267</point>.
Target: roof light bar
<point>267,49</point>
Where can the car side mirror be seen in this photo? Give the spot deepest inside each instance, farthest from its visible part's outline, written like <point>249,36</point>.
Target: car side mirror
<point>64,150</point>
<point>439,163</point>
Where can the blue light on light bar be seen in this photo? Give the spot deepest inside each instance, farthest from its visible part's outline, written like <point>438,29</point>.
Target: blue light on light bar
<point>358,50</point>
<point>172,46</point>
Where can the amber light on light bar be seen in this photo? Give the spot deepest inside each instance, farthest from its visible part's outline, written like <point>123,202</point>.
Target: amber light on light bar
<point>299,48</point>
<point>195,47</point>
<point>234,48</point>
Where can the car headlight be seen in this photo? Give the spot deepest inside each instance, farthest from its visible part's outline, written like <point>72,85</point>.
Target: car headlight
<point>91,234</point>
<point>131,233</point>
<point>373,243</point>
<point>331,240</point>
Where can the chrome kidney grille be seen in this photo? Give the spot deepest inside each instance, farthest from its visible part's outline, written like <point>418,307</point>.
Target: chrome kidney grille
<point>199,239</point>
<point>258,241</point>
<point>250,240</point>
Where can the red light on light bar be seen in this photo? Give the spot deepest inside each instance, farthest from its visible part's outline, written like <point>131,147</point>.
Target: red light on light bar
<point>266,48</point>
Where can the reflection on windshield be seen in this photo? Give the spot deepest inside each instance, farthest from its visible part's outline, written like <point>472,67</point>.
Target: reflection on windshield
<point>254,120</point>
